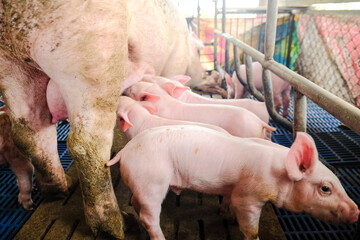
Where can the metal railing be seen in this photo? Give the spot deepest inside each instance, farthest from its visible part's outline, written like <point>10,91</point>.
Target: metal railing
<point>345,112</point>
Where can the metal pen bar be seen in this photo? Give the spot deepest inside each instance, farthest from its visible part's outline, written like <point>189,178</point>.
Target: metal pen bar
<point>215,35</point>
<point>300,114</point>
<point>220,71</point>
<point>223,19</point>
<point>263,10</point>
<point>198,16</point>
<point>227,64</point>
<point>292,26</point>
<point>250,80</point>
<point>237,66</point>
<point>342,110</point>
<point>269,46</point>
<point>270,29</point>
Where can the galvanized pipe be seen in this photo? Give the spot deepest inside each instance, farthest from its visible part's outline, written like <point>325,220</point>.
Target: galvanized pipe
<point>237,66</point>
<point>269,46</point>
<point>300,107</point>
<point>227,64</point>
<point>250,80</point>
<point>269,101</point>
<point>215,35</point>
<point>292,26</point>
<point>342,110</point>
<point>220,71</point>
<point>270,29</point>
<point>223,19</point>
<point>198,19</point>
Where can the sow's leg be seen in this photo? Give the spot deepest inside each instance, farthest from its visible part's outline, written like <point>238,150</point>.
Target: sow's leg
<point>23,89</point>
<point>88,66</point>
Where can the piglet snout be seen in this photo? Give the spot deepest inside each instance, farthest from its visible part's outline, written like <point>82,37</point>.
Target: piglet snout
<point>348,213</point>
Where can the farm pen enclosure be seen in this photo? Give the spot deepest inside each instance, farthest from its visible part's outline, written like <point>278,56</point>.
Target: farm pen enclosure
<point>322,46</point>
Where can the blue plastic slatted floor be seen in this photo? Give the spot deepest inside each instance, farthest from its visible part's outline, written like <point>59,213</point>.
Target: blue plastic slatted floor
<point>13,216</point>
<point>338,147</point>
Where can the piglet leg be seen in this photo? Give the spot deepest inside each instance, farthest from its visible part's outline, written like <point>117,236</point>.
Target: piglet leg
<point>24,171</point>
<point>247,211</point>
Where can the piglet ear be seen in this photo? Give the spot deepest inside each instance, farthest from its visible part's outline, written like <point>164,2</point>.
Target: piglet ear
<point>178,91</point>
<point>149,97</point>
<point>181,78</point>
<point>123,122</point>
<point>151,107</point>
<point>173,90</point>
<point>169,87</point>
<point>302,157</point>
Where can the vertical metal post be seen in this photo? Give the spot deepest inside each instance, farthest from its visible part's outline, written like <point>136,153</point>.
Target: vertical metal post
<point>292,26</point>
<point>227,64</point>
<point>269,46</point>
<point>252,32</point>
<point>215,35</point>
<point>223,28</point>
<point>270,29</point>
<point>244,31</point>
<point>198,17</point>
<point>237,66</point>
<point>300,106</point>
<point>223,19</point>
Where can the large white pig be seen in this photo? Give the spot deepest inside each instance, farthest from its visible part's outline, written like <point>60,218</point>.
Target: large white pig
<point>173,51</point>
<point>21,166</point>
<point>175,88</point>
<point>281,88</point>
<point>84,47</point>
<point>249,172</point>
<point>134,117</point>
<point>237,121</point>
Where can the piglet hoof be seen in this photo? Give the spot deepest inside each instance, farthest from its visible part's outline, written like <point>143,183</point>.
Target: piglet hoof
<point>27,204</point>
<point>25,201</point>
<point>105,221</point>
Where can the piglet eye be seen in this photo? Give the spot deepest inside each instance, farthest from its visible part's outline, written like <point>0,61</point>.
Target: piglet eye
<point>325,189</point>
<point>143,98</point>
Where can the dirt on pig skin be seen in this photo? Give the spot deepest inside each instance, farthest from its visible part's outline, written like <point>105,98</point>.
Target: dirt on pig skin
<point>94,203</point>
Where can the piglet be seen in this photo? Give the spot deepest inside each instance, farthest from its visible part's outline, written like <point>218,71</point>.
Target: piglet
<point>20,165</point>
<point>134,117</point>
<point>248,171</point>
<point>175,88</point>
<point>237,121</point>
<point>281,88</point>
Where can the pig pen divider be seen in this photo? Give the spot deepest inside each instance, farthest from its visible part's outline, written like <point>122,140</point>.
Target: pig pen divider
<point>345,112</point>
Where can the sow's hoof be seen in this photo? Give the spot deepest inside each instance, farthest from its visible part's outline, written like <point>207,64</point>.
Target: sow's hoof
<point>105,222</point>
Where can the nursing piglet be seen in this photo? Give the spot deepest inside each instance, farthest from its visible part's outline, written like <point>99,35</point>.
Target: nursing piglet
<point>21,166</point>
<point>134,117</point>
<point>175,88</point>
<point>248,171</point>
<point>237,121</point>
<point>281,88</point>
